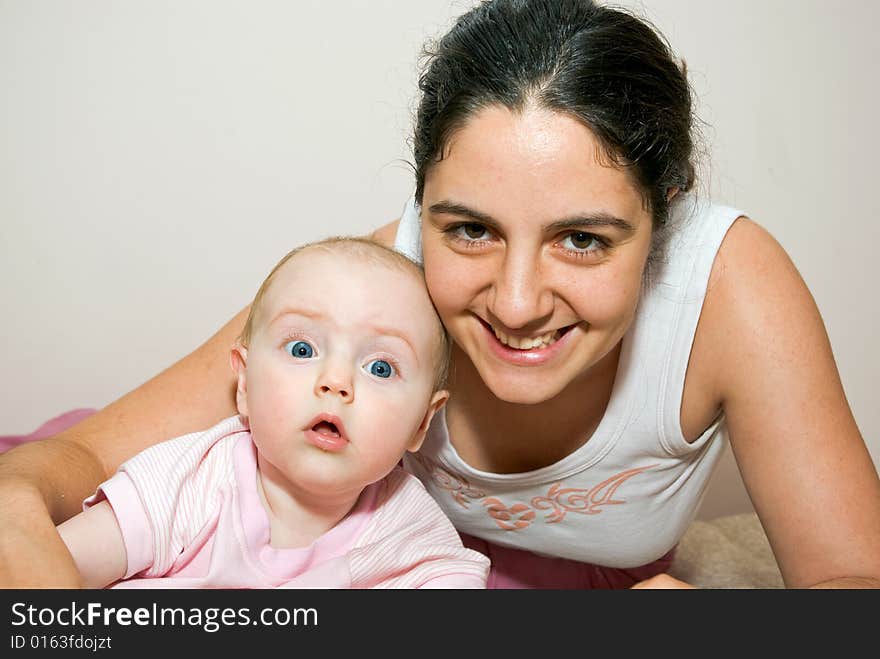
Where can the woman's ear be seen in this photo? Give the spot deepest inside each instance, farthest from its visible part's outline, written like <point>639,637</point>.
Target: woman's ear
<point>238,361</point>
<point>671,192</point>
<point>438,400</point>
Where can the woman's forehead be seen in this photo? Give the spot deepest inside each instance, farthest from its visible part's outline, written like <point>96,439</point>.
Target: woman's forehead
<point>536,163</point>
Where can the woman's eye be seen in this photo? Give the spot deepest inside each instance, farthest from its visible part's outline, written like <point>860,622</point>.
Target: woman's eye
<point>380,368</point>
<point>581,241</point>
<point>471,231</point>
<point>300,349</point>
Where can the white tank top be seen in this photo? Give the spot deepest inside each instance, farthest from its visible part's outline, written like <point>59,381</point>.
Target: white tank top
<point>626,496</point>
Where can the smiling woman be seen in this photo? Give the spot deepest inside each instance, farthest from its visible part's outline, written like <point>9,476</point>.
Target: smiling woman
<point>517,273</point>
<point>612,328</point>
<point>598,308</point>
<point>561,347</point>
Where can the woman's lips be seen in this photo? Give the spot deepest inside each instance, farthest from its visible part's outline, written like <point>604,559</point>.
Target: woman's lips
<point>531,357</point>
<point>327,433</point>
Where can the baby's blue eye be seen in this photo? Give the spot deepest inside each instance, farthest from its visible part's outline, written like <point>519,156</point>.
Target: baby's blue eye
<point>299,349</point>
<point>380,368</point>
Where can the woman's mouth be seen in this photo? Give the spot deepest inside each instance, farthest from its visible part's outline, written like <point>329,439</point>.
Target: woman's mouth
<point>526,350</point>
<point>529,343</point>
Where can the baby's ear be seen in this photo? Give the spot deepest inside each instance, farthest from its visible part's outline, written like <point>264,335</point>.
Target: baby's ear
<point>438,400</point>
<point>238,361</point>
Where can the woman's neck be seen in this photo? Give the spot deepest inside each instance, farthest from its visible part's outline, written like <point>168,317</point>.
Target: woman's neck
<point>297,519</point>
<point>500,437</point>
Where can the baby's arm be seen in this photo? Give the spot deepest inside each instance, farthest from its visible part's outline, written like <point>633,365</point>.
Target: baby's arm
<point>95,541</point>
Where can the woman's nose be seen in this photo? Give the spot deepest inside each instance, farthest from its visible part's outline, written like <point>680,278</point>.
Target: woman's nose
<point>335,380</point>
<point>520,296</point>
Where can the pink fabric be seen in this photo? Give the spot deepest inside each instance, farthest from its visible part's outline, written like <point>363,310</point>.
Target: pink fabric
<point>49,428</point>
<point>191,517</point>
<point>520,569</point>
<point>511,568</point>
<point>232,550</point>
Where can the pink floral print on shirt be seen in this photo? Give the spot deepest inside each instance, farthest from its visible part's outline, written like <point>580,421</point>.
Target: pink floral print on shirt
<point>559,500</point>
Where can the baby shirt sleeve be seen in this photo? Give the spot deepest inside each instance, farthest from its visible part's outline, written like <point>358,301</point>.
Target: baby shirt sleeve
<point>134,523</point>
<point>410,543</point>
<point>165,495</point>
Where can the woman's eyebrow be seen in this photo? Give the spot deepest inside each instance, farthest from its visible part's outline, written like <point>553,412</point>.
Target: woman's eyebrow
<point>453,208</point>
<point>584,220</point>
<point>593,220</point>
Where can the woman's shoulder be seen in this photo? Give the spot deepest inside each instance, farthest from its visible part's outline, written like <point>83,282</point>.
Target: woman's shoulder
<point>748,252</point>
<point>385,235</point>
<point>755,303</point>
<point>750,274</point>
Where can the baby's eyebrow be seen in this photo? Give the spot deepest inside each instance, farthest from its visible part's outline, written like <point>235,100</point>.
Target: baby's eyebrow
<point>397,334</point>
<point>376,330</point>
<point>297,312</point>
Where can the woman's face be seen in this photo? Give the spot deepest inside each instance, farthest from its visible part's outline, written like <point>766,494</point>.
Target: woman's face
<point>534,249</point>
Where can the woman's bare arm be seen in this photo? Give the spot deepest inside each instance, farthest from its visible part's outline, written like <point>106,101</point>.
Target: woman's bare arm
<point>386,234</point>
<point>44,483</point>
<point>800,452</point>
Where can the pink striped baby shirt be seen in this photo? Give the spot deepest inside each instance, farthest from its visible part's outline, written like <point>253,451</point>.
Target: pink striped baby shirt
<point>191,517</point>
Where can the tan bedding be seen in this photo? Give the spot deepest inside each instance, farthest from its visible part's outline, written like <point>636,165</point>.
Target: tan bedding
<point>727,552</point>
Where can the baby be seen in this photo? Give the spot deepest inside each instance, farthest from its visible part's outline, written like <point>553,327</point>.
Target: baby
<point>341,366</point>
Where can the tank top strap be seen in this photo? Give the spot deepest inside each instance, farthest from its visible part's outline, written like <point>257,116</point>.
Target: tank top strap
<point>670,308</point>
<point>408,240</point>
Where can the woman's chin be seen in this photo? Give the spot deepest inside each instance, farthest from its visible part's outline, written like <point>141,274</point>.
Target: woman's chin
<point>522,390</point>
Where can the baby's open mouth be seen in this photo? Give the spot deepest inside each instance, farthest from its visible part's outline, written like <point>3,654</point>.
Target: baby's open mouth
<point>327,432</point>
<point>326,429</point>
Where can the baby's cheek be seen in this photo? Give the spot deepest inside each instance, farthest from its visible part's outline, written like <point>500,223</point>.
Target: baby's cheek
<point>265,412</point>
<point>274,399</point>
<point>382,402</point>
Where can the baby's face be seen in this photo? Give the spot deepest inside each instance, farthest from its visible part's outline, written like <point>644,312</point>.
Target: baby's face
<point>340,369</point>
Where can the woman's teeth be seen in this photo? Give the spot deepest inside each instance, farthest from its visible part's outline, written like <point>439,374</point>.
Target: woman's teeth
<point>528,343</point>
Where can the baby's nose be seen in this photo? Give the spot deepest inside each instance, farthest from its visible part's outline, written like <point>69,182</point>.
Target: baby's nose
<point>335,382</point>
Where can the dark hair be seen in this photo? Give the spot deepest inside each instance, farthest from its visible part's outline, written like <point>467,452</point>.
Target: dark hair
<point>602,66</point>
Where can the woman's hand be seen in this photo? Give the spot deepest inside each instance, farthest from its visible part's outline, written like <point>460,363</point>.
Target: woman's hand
<point>662,582</point>
<point>32,554</point>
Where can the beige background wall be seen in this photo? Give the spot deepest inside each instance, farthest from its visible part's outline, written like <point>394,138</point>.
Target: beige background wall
<point>157,157</point>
